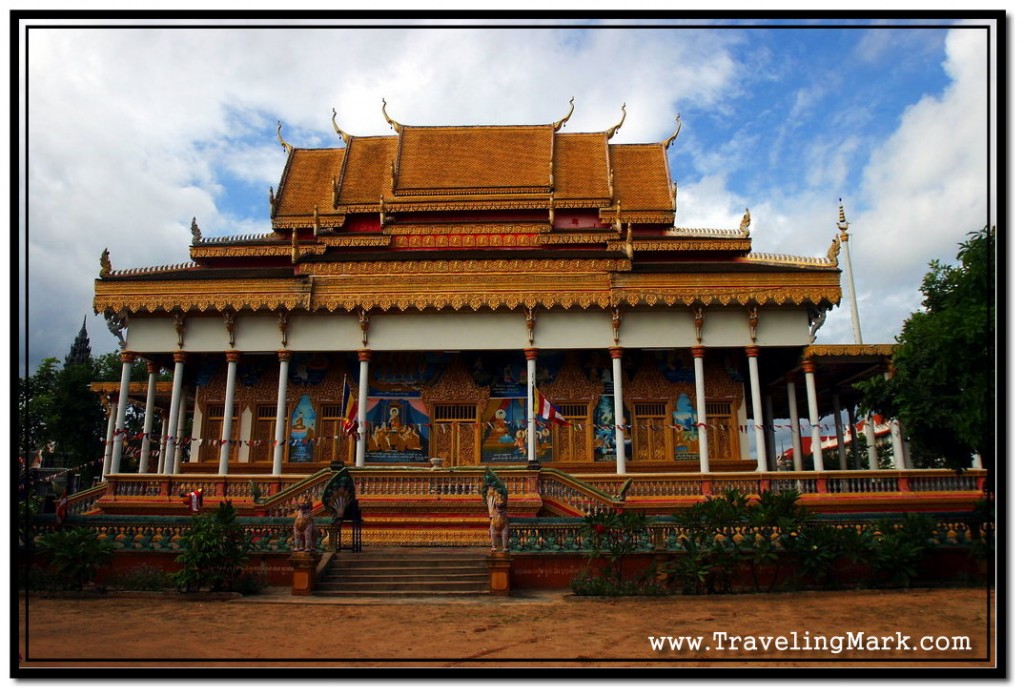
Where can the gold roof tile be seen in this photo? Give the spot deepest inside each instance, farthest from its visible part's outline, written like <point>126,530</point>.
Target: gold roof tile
<point>471,159</point>
<point>307,182</point>
<point>641,177</point>
<point>367,174</point>
<point>581,166</point>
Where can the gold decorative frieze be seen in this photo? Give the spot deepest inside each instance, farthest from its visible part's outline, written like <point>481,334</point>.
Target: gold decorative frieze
<point>248,251</point>
<point>880,350</point>
<point>468,203</point>
<point>456,385</point>
<point>444,241</point>
<point>357,240</point>
<point>375,269</point>
<point>577,237</point>
<point>459,230</point>
<point>682,245</point>
<point>192,295</point>
<point>571,384</point>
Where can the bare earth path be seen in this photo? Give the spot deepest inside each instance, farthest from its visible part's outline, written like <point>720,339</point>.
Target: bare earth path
<point>545,630</point>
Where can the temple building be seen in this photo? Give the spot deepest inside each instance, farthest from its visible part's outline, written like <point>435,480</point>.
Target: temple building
<point>417,294</point>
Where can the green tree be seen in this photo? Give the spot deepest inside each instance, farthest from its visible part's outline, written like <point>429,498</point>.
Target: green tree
<point>943,388</point>
<point>215,552</point>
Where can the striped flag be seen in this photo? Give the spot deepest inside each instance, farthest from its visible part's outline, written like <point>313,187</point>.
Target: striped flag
<point>349,409</point>
<point>545,409</point>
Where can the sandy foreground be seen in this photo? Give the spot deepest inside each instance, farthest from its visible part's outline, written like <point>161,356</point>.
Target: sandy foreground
<point>919,628</point>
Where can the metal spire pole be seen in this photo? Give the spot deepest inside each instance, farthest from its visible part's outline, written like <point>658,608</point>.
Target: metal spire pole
<point>844,238</point>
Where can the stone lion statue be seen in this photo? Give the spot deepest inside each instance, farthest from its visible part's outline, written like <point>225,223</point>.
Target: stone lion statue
<point>304,530</point>
<point>496,497</point>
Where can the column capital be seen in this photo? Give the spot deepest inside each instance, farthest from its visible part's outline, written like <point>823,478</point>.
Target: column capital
<point>616,352</point>
<point>284,355</point>
<point>365,354</point>
<point>180,356</point>
<point>531,353</point>
<point>808,365</point>
<point>698,351</point>
<point>152,368</point>
<point>233,355</point>
<point>127,356</point>
<point>753,351</point>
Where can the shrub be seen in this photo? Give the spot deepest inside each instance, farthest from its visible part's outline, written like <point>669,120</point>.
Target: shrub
<point>216,550</point>
<point>75,555</point>
<point>611,537</point>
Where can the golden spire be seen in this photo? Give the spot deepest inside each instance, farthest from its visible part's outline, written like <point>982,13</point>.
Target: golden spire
<point>843,225</point>
<point>397,127</point>
<point>562,122</point>
<point>285,146</point>
<point>671,139</point>
<point>615,129</point>
<point>341,134</point>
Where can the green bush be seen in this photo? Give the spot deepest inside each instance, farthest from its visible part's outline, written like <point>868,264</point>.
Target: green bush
<point>216,550</point>
<point>75,555</point>
<point>611,537</point>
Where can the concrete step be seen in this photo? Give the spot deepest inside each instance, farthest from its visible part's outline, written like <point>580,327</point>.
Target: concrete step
<point>406,572</point>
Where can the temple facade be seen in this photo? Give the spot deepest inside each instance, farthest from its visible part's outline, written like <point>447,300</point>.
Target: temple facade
<point>418,295</point>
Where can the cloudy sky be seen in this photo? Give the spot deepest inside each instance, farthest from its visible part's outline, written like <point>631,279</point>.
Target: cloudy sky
<point>134,130</point>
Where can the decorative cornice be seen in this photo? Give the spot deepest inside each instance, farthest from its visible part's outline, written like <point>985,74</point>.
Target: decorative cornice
<point>680,245</point>
<point>183,295</point>
<point>847,350</point>
<point>451,267</point>
<point>705,232</point>
<point>357,240</point>
<point>241,251</point>
<point>790,260</point>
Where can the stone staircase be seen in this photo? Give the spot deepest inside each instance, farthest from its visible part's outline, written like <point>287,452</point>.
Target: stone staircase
<point>406,572</point>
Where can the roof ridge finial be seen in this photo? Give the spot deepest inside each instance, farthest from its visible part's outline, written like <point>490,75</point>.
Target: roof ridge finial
<point>667,143</point>
<point>565,119</point>
<point>615,129</point>
<point>395,125</point>
<point>285,146</point>
<point>341,134</point>
<point>843,225</point>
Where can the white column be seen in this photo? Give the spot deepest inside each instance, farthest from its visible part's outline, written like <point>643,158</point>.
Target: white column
<point>855,456</point>
<point>179,449</point>
<point>794,423</point>
<point>364,384</point>
<point>108,446</point>
<point>152,369</point>
<point>769,433</point>
<point>869,437</point>
<point>812,408</point>
<point>620,421</point>
<point>174,412</point>
<point>229,412</point>
<point>281,416</point>
<point>161,460</point>
<point>531,418</point>
<point>702,409</point>
<point>896,439</point>
<point>755,399</point>
<point>837,420</point>
<point>122,407</point>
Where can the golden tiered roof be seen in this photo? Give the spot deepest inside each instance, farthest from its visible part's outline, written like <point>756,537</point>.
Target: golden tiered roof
<point>473,216</point>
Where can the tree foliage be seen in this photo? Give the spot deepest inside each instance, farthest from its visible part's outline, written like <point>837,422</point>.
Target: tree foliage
<point>943,385</point>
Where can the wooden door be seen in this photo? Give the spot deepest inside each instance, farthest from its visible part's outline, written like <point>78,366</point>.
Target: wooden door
<point>455,435</point>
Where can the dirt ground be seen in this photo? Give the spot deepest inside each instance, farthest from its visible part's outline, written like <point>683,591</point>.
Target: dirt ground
<point>920,628</point>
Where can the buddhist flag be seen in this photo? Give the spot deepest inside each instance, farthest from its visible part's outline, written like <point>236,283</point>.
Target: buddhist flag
<point>349,409</point>
<point>545,409</point>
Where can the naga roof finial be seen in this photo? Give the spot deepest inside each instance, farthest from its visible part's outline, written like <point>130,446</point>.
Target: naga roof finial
<point>105,266</point>
<point>284,146</point>
<point>395,125</point>
<point>562,122</point>
<point>745,222</point>
<point>341,134</point>
<point>672,138</point>
<point>615,129</point>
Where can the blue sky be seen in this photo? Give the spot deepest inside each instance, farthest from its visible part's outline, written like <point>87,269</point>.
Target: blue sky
<point>132,132</point>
